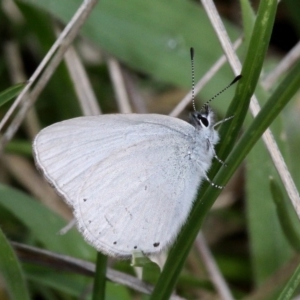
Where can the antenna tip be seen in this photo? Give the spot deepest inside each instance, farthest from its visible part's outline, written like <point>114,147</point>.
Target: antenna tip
<point>237,78</point>
<point>192,52</point>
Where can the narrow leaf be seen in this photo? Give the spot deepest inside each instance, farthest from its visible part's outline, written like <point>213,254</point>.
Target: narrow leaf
<point>287,216</point>
<point>11,271</point>
<point>11,93</point>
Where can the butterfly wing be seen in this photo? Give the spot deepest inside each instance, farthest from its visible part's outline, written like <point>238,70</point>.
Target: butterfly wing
<point>129,178</point>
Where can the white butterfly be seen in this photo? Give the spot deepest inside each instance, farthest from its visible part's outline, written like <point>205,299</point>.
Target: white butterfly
<point>130,178</point>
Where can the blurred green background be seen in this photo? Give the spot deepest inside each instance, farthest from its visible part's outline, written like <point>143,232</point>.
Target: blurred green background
<point>151,39</point>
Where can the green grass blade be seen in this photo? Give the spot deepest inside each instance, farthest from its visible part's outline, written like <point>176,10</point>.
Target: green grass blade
<point>21,147</point>
<point>44,224</point>
<point>268,247</point>
<point>291,286</point>
<point>287,216</point>
<point>100,277</point>
<point>11,93</point>
<point>11,271</point>
<point>248,19</point>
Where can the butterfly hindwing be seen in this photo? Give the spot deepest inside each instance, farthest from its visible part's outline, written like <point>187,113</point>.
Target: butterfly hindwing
<point>129,176</point>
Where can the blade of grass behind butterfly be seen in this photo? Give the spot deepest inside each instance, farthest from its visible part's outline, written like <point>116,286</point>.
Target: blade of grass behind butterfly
<point>10,93</point>
<point>11,271</point>
<point>43,223</point>
<point>248,17</point>
<point>287,216</point>
<point>291,286</point>
<point>239,106</point>
<point>100,277</point>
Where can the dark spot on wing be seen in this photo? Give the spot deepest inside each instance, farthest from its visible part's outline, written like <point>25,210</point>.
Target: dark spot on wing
<point>115,243</point>
<point>156,244</point>
<point>84,200</point>
<point>135,247</point>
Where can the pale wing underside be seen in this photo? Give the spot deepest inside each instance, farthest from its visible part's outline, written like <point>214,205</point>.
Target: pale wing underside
<point>129,178</point>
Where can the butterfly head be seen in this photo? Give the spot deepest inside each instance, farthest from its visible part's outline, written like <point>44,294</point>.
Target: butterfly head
<point>203,119</point>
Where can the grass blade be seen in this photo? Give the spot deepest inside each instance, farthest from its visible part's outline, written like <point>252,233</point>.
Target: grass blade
<point>291,286</point>
<point>10,93</point>
<point>11,271</point>
<point>100,277</point>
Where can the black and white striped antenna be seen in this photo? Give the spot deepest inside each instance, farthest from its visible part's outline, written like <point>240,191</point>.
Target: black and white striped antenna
<point>193,78</point>
<point>193,84</point>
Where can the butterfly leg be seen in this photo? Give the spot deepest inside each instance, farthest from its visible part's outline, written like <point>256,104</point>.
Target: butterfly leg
<point>213,184</point>
<point>219,160</point>
<point>69,226</point>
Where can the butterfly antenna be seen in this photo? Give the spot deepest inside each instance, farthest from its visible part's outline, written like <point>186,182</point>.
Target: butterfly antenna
<point>237,78</point>
<point>193,78</point>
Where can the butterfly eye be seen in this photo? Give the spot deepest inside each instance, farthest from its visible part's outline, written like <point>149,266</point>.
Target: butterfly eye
<point>204,121</point>
<point>199,119</point>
